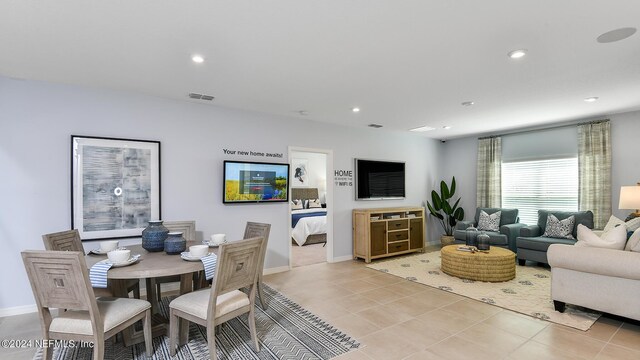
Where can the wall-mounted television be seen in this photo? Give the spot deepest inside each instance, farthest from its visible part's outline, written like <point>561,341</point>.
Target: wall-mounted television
<point>379,180</point>
<point>254,182</point>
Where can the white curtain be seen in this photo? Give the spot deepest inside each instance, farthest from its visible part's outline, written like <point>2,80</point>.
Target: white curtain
<point>489,179</point>
<point>594,166</point>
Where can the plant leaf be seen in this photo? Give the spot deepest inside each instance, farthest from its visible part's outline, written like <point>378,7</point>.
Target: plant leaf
<point>453,186</point>
<point>446,208</point>
<point>444,190</point>
<point>431,209</point>
<point>455,206</point>
<point>458,215</point>
<point>437,202</point>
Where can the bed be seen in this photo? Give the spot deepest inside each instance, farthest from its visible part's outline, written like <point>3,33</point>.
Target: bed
<point>308,226</point>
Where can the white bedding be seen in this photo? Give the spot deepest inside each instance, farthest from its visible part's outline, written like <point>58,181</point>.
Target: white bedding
<point>309,226</point>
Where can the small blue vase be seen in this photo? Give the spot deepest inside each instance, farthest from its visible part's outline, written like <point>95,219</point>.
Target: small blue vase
<point>154,235</point>
<point>175,243</point>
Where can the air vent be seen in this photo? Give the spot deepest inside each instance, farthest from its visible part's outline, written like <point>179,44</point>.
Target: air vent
<point>201,96</point>
<point>374,126</point>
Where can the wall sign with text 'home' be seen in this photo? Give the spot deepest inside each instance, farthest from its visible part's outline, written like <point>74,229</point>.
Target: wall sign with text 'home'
<point>343,177</point>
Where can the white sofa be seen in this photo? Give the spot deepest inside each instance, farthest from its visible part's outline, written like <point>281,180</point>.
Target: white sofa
<point>600,279</point>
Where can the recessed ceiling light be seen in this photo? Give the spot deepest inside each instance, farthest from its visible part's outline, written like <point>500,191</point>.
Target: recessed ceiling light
<point>616,35</point>
<point>355,109</point>
<point>375,126</point>
<point>303,112</point>
<point>198,59</point>
<point>591,99</point>
<point>467,103</point>
<point>447,127</point>
<point>423,128</point>
<point>517,54</point>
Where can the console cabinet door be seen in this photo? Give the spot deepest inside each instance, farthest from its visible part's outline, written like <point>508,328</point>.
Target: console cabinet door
<point>415,234</point>
<point>378,238</point>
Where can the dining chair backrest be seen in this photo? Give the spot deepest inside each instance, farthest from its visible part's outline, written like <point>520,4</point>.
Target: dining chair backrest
<point>237,265</point>
<point>60,279</point>
<point>68,240</point>
<point>188,228</point>
<point>253,229</point>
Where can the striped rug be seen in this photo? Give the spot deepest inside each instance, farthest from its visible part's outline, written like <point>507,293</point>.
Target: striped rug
<point>285,331</point>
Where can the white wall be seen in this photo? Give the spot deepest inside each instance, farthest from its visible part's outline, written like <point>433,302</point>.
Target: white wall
<point>37,120</point>
<point>317,171</point>
<point>460,155</point>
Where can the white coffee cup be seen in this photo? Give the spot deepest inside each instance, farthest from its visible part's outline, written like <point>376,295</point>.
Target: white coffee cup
<point>110,245</point>
<point>198,251</point>
<point>119,256</point>
<point>217,239</point>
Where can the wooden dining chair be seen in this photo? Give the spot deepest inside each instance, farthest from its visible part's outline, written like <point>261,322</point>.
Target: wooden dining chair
<point>60,279</point>
<point>253,229</point>
<point>188,230</point>
<point>69,240</point>
<point>237,267</point>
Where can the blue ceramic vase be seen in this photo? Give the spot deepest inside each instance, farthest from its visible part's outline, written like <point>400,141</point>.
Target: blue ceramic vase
<point>175,243</point>
<point>154,235</point>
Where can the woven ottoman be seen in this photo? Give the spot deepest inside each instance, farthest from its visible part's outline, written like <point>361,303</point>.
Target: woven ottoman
<point>497,264</point>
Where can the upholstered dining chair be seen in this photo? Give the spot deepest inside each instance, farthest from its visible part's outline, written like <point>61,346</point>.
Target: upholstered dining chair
<point>60,279</point>
<point>188,230</point>
<point>69,240</point>
<point>237,267</point>
<point>253,229</point>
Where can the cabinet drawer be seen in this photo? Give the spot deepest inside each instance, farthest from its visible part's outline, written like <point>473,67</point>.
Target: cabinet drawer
<point>398,224</point>
<point>398,246</point>
<point>398,235</point>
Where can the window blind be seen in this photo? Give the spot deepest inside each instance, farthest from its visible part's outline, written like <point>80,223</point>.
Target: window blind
<point>549,184</point>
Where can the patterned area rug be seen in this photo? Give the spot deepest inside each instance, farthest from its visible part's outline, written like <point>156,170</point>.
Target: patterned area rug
<point>528,293</point>
<point>285,331</point>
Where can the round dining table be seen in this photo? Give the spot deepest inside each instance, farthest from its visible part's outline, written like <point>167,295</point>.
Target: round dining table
<point>150,265</point>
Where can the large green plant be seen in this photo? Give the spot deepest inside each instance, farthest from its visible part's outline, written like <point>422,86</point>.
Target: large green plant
<point>440,207</point>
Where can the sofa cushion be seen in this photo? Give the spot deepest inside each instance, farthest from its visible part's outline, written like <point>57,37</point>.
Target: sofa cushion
<point>631,225</point>
<point>489,222</point>
<point>507,216</point>
<point>581,217</point>
<point>541,243</point>
<point>559,228</point>
<point>613,239</point>
<point>633,244</point>
<point>495,238</point>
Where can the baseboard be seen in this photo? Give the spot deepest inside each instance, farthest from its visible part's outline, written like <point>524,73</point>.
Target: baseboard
<point>342,258</point>
<point>18,310</point>
<point>275,270</point>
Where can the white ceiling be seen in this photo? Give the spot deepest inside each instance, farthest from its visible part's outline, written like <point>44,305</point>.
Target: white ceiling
<point>406,63</point>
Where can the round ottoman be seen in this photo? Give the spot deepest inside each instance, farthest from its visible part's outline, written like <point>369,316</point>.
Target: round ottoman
<point>497,264</point>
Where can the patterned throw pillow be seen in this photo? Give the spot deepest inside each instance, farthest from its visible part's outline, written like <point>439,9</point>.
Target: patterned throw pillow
<point>631,225</point>
<point>488,222</point>
<point>296,204</point>
<point>559,228</point>
<point>314,204</point>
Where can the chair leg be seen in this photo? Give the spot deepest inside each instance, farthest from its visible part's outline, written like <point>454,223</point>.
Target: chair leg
<point>261,295</point>
<point>252,328</point>
<point>521,262</point>
<point>559,306</point>
<point>98,350</point>
<point>136,292</point>
<point>183,332</point>
<point>159,292</point>
<point>173,332</point>
<point>47,352</point>
<point>146,328</point>
<point>211,342</point>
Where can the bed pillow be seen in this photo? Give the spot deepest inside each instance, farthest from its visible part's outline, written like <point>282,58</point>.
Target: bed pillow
<point>561,229</point>
<point>614,239</point>
<point>296,204</point>
<point>314,203</point>
<point>633,244</point>
<point>489,222</point>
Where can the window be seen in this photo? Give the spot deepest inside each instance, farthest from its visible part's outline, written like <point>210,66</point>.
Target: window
<point>540,184</point>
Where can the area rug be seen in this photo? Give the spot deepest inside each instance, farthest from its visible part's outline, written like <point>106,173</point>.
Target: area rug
<point>529,293</point>
<point>285,331</point>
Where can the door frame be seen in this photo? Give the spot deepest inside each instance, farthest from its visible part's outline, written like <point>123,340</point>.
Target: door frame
<point>328,196</point>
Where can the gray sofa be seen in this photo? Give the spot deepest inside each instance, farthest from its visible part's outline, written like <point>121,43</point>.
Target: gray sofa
<point>531,245</point>
<point>505,237</point>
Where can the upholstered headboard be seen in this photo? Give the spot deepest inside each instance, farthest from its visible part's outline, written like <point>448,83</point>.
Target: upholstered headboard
<point>304,193</point>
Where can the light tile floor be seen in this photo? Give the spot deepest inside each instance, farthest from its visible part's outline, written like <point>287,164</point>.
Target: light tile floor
<point>397,319</point>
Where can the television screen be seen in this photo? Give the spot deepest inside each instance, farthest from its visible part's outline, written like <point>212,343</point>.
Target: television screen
<point>379,180</point>
<point>250,182</point>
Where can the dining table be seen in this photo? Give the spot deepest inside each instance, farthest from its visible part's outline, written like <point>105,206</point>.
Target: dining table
<point>151,265</point>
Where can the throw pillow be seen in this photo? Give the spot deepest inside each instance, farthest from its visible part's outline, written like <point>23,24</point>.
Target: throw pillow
<point>631,225</point>
<point>614,239</point>
<point>559,228</point>
<point>314,204</point>
<point>633,244</point>
<point>489,222</point>
<point>296,204</point>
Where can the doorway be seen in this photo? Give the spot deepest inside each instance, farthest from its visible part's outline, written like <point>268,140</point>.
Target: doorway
<point>311,206</point>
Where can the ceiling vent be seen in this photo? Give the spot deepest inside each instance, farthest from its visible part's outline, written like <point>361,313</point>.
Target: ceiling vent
<point>376,126</point>
<point>201,96</point>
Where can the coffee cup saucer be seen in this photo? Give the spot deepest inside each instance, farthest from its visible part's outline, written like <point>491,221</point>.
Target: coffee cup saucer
<point>211,244</point>
<point>103,252</point>
<point>187,256</point>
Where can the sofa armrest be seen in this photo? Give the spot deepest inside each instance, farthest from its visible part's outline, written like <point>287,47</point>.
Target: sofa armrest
<point>593,260</point>
<point>464,224</point>
<point>530,231</point>
<point>512,231</point>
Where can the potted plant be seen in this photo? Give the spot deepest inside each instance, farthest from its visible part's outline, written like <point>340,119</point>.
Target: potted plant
<point>447,214</point>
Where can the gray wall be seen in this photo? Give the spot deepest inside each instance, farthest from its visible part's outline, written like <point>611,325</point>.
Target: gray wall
<point>459,156</point>
<point>37,119</point>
